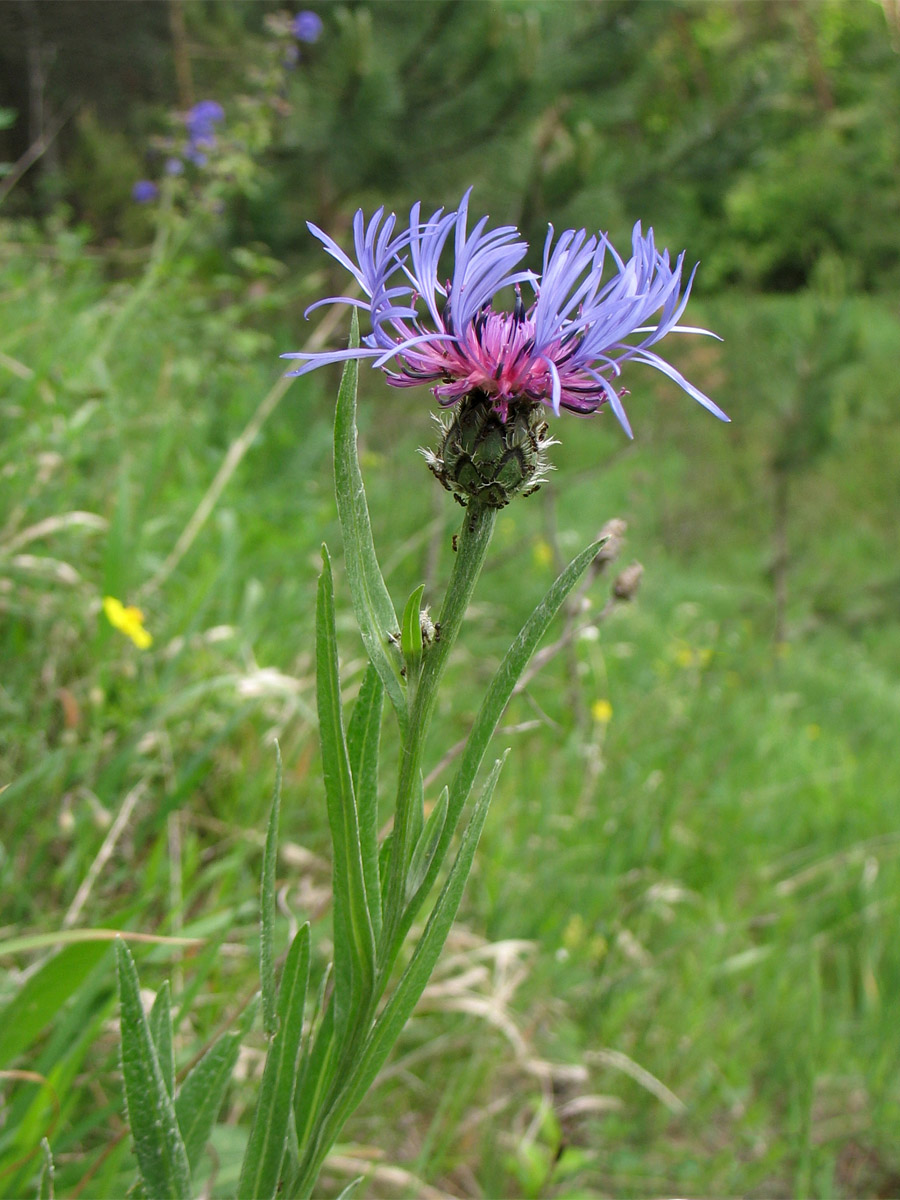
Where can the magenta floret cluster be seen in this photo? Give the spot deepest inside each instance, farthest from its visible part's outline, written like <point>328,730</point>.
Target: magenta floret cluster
<point>589,311</point>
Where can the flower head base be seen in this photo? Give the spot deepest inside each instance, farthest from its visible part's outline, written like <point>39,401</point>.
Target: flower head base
<point>563,349</point>
<point>487,458</point>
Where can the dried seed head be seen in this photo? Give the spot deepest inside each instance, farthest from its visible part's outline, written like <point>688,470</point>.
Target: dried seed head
<point>628,582</point>
<point>614,532</point>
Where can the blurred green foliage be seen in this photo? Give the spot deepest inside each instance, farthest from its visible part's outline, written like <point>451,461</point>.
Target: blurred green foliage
<point>709,873</point>
<point>755,134</point>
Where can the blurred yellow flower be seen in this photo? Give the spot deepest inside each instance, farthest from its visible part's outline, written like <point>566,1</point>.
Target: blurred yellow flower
<point>543,553</point>
<point>602,710</point>
<point>129,621</point>
<point>690,656</point>
<point>575,932</point>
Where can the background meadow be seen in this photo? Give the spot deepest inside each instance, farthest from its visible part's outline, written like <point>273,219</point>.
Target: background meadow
<point>676,970</point>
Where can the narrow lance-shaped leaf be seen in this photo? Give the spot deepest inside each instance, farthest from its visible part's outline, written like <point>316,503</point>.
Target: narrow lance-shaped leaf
<point>161,1031</point>
<point>415,978</point>
<point>267,906</point>
<point>42,996</point>
<point>354,941</point>
<point>371,602</point>
<point>200,1096</point>
<point>317,1070</point>
<point>417,812</point>
<point>363,736</point>
<point>162,1159</point>
<point>61,1058</point>
<point>490,712</point>
<point>261,1169</point>
<point>408,991</point>
<point>384,860</point>
<point>425,848</point>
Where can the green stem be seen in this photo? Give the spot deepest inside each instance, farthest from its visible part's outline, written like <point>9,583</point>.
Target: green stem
<point>331,1111</point>
<point>472,546</point>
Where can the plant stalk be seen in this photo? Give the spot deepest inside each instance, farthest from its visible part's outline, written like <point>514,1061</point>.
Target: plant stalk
<point>473,541</point>
<point>472,546</point>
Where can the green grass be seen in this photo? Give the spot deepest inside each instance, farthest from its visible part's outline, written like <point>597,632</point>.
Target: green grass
<point>707,884</point>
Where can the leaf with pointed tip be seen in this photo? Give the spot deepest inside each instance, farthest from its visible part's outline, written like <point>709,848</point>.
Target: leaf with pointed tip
<point>371,602</point>
<point>162,1159</point>
<point>261,1169</point>
<point>45,1183</point>
<point>411,634</point>
<point>160,1020</point>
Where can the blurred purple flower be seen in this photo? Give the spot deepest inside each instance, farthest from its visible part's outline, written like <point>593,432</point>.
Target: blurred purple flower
<point>201,122</point>
<point>202,119</point>
<point>562,350</point>
<point>144,191</point>
<point>174,166</point>
<point>307,26</point>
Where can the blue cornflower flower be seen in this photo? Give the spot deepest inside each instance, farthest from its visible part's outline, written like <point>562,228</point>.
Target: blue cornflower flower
<point>144,191</point>
<point>307,26</point>
<point>563,350</point>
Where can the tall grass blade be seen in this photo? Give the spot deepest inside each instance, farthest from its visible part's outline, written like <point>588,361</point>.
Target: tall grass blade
<point>363,736</point>
<point>45,1182</point>
<point>267,907</point>
<point>354,941</point>
<point>68,1049</point>
<point>371,602</point>
<point>350,1190</point>
<point>42,996</point>
<point>158,1146</point>
<point>261,1169</point>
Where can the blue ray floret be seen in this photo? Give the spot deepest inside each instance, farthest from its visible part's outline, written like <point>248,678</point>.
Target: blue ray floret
<point>591,312</point>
